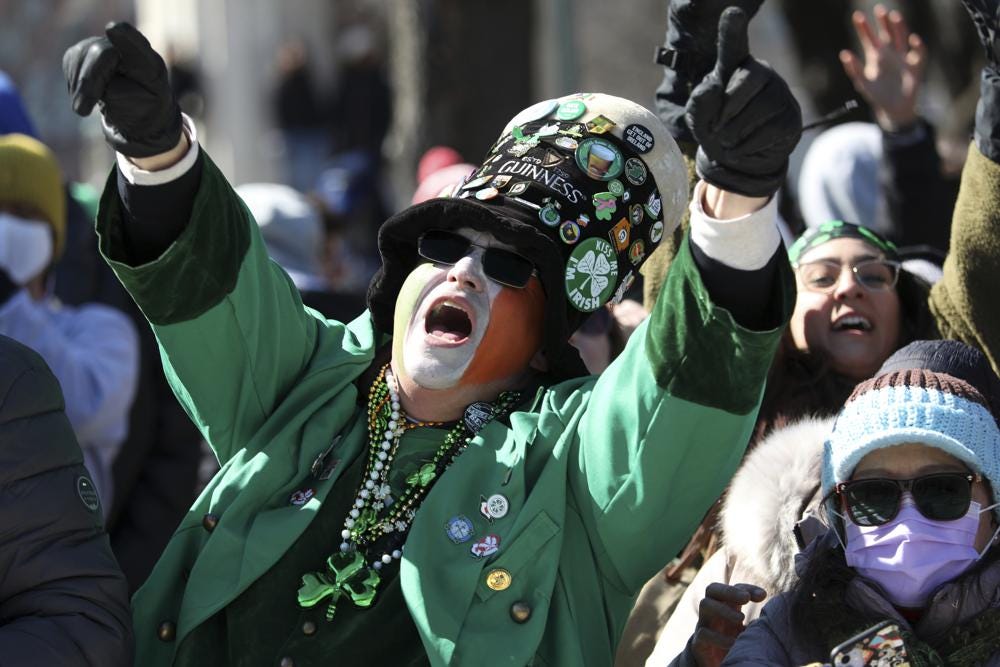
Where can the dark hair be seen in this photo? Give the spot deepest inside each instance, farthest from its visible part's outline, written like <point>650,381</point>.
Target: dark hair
<point>799,383</point>
<point>915,321</point>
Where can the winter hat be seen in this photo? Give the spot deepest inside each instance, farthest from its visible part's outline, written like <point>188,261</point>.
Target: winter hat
<point>585,186</point>
<point>913,406</point>
<point>13,116</point>
<point>29,174</point>
<point>435,159</point>
<point>291,229</point>
<point>442,183</point>
<point>839,176</point>
<point>954,358</point>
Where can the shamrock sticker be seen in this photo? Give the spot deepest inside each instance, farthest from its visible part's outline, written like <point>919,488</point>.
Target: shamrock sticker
<point>521,138</point>
<point>548,130</point>
<point>605,205</point>
<point>591,274</point>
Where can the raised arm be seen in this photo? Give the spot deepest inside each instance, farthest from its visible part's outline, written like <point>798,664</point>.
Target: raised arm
<point>233,333</point>
<point>888,74</point>
<point>963,302</point>
<point>688,55</point>
<point>668,421</point>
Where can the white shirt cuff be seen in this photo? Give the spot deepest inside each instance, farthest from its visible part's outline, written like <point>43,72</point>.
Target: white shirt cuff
<point>137,176</point>
<point>746,243</point>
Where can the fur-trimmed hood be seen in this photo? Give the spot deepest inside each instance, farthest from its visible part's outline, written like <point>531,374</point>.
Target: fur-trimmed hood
<point>778,481</point>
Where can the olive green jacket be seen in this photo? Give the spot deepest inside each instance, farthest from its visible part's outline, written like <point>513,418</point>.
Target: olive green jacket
<point>606,476</point>
<point>964,304</point>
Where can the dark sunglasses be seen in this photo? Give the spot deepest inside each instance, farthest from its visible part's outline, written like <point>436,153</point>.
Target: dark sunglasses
<point>940,497</point>
<point>504,266</point>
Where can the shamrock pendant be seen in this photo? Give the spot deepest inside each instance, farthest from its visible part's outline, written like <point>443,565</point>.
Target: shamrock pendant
<point>346,576</point>
<point>422,476</point>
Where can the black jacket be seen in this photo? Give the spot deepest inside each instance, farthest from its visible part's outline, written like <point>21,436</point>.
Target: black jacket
<point>156,470</point>
<point>63,598</point>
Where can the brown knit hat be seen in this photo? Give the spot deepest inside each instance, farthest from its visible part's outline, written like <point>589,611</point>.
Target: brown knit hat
<point>30,175</point>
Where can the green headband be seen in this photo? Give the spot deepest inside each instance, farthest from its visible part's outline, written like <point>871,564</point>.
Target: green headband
<point>835,229</point>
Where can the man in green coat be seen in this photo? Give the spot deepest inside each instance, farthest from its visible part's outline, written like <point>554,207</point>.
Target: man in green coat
<point>439,481</point>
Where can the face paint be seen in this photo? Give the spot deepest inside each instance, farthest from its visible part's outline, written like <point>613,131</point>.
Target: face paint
<point>406,305</point>
<point>512,337</point>
<point>445,323</point>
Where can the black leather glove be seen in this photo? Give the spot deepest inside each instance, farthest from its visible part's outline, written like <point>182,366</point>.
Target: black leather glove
<point>986,15</point>
<point>688,55</point>
<point>744,117</point>
<point>123,73</point>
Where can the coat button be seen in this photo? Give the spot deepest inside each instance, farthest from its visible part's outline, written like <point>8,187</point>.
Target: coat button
<point>286,662</point>
<point>167,631</point>
<point>210,521</point>
<point>308,628</point>
<point>498,579</point>
<point>520,611</point>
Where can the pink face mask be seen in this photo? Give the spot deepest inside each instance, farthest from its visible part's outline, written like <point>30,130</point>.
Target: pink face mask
<point>911,556</point>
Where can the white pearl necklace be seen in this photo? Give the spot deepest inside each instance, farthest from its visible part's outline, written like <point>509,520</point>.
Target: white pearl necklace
<point>376,490</point>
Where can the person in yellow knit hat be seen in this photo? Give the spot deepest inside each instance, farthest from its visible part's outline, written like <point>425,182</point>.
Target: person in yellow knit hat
<point>92,349</point>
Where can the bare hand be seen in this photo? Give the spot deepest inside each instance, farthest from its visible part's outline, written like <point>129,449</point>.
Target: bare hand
<point>720,620</point>
<point>890,77</point>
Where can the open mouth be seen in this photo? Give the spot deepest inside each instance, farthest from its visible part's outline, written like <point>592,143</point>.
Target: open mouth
<point>448,321</point>
<point>852,323</point>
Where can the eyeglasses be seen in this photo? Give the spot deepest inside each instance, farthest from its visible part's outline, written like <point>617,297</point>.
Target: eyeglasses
<point>940,497</point>
<point>873,274</point>
<point>504,266</point>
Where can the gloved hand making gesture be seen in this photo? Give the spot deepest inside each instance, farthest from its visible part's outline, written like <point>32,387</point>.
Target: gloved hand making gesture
<point>986,15</point>
<point>127,79</point>
<point>689,54</point>
<point>743,116</point>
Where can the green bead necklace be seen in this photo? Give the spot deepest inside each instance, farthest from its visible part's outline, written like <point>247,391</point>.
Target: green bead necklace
<point>375,515</point>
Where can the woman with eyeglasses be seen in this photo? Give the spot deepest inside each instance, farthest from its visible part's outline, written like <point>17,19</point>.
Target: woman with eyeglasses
<point>908,480</point>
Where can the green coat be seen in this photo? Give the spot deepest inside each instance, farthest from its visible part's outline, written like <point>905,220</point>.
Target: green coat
<point>606,476</point>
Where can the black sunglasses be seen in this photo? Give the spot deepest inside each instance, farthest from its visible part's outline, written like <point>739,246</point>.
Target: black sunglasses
<point>504,266</point>
<point>940,497</point>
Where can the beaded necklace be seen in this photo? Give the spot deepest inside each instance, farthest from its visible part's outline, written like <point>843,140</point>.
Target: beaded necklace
<point>376,515</point>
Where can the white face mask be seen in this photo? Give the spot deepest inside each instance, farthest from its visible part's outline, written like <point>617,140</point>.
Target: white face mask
<point>25,247</point>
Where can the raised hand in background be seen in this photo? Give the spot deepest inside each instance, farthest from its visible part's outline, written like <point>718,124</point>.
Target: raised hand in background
<point>890,77</point>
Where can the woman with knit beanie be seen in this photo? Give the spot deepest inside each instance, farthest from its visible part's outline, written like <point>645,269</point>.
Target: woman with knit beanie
<point>908,477</point>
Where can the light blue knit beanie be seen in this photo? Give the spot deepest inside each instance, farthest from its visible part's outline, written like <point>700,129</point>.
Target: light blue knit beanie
<point>913,406</point>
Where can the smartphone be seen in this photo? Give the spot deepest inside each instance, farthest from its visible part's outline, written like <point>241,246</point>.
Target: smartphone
<point>878,646</point>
